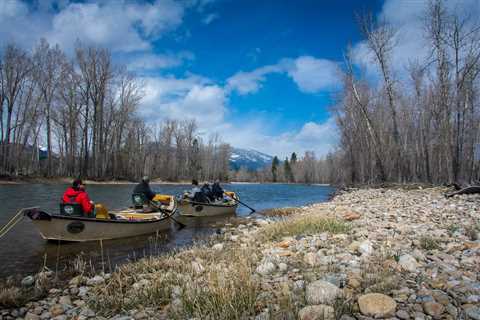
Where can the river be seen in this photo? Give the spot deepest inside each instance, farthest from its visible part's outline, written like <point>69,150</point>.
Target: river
<point>23,251</point>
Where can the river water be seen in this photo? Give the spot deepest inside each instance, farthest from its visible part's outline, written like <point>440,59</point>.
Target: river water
<point>23,251</point>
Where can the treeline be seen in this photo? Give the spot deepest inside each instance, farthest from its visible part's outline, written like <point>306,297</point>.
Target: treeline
<point>421,127</point>
<point>62,116</point>
<point>306,169</point>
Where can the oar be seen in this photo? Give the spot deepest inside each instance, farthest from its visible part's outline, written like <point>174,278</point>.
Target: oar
<point>236,199</point>
<point>170,216</point>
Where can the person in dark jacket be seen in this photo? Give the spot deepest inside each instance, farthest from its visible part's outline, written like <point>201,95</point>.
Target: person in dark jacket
<point>207,191</point>
<point>217,190</point>
<point>144,187</point>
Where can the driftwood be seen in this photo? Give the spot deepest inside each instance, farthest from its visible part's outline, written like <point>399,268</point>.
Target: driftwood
<point>467,190</point>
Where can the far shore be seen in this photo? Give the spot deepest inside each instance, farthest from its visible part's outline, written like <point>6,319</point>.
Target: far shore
<point>68,180</point>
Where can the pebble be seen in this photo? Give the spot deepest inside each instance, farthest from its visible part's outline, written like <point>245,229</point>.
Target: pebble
<point>28,281</point>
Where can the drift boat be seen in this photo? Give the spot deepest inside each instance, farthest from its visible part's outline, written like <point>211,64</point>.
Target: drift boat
<point>189,208</point>
<point>70,226</point>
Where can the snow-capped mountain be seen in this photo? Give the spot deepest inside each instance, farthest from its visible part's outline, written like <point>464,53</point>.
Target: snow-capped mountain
<point>248,158</point>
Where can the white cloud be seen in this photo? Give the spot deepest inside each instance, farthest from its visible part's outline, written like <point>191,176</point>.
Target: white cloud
<point>309,74</point>
<point>250,82</point>
<point>120,25</point>
<point>318,137</point>
<point>313,75</point>
<point>192,97</point>
<point>150,61</point>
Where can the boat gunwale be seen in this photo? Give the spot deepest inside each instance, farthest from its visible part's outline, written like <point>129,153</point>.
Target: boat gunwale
<point>57,216</point>
<point>194,203</point>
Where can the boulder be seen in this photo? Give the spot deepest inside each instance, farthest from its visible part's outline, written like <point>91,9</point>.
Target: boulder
<point>317,312</point>
<point>473,312</point>
<point>218,246</point>
<point>433,309</point>
<point>321,292</point>
<point>95,280</point>
<point>265,268</point>
<point>366,247</point>
<point>352,215</point>
<point>408,263</point>
<point>377,305</point>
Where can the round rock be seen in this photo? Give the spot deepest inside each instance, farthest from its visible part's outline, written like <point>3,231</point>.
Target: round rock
<point>321,292</point>
<point>377,305</point>
<point>320,312</point>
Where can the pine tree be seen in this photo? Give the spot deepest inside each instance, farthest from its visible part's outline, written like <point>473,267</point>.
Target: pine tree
<point>275,163</point>
<point>287,170</point>
<point>293,158</point>
<point>293,165</point>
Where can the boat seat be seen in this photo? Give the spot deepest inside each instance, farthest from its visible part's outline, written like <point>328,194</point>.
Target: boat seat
<point>139,200</point>
<point>71,209</point>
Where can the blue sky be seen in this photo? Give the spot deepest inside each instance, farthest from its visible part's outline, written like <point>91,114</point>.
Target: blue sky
<point>259,73</point>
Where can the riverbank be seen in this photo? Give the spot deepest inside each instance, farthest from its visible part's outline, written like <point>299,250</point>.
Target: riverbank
<point>68,180</point>
<point>384,253</point>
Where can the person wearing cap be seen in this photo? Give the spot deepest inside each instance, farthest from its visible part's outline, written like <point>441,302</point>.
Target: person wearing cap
<point>144,187</point>
<point>77,194</point>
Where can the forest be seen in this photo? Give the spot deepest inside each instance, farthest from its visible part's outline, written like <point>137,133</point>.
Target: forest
<point>78,118</point>
<point>422,127</point>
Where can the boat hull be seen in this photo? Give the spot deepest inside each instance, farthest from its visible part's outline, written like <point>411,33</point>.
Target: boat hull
<point>80,229</point>
<point>190,208</point>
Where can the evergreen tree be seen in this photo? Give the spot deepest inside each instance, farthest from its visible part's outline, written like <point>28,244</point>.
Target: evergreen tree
<point>275,163</point>
<point>287,170</point>
<point>293,165</point>
<point>293,158</point>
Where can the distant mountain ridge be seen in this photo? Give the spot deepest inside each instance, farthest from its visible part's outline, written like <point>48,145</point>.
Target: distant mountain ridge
<point>248,158</point>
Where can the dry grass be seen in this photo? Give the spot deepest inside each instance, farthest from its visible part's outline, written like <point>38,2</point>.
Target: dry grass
<point>11,297</point>
<point>472,231</point>
<point>197,283</point>
<point>429,243</point>
<point>379,276</point>
<point>280,212</point>
<point>305,225</point>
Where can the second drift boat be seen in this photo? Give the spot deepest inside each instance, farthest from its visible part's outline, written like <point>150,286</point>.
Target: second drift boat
<point>72,225</point>
<point>190,208</point>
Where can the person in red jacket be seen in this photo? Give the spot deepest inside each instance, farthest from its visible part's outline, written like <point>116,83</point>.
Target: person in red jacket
<point>77,194</point>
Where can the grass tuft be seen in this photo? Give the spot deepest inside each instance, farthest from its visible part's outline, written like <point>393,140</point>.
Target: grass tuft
<point>306,225</point>
<point>11,297</point>
<point>429,243</point>
<point>280,212</point>
<point>197,283</point>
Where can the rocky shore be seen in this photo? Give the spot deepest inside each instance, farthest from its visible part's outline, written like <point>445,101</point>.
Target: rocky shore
<point>367,254</point>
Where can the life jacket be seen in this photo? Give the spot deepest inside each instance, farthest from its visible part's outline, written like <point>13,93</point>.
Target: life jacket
<point>78,196</point>
<point>71,195</point>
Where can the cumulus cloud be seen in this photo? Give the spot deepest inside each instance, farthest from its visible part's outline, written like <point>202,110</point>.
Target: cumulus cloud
<point>313,75</point>
<point>119,25</point>
<point>309,74</point>
<point>192,97</point>
<point>312,136</point>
